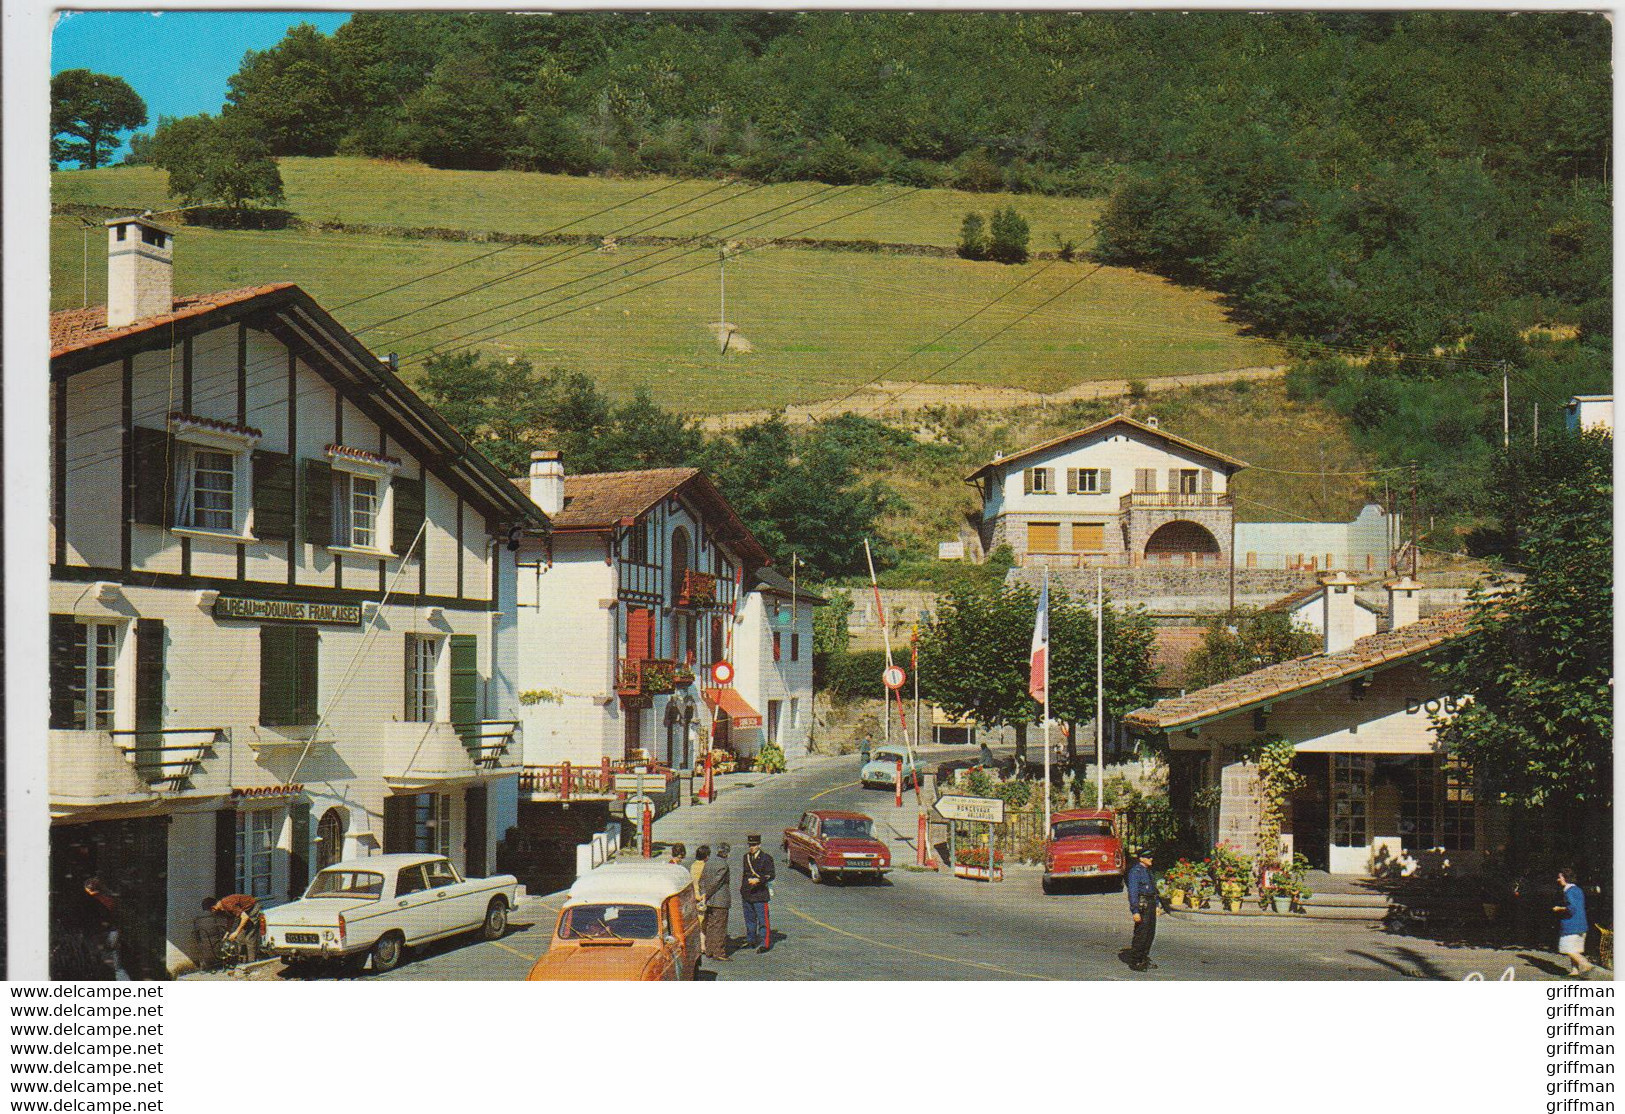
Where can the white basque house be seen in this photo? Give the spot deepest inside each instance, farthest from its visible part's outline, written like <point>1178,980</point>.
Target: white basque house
<point>1378,794</point>
<point>773,662</point>
<point>281,605</point>
<point>624,605</point>
<point>1118,493</point>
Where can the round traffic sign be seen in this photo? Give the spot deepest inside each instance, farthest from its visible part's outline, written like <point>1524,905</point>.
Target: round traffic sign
<point>722,673</point>
<point>893,676</point>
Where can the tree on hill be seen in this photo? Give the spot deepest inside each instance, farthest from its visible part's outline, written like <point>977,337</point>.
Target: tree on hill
<point>213,162</point>
<point>973,237</point>
<point>1007,236</point>
<point>88,111</point>
<point>1537,658</point>
<point>1252,640</point>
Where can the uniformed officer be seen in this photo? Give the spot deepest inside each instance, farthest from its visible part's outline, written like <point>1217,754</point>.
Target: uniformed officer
<point>1142,903</point>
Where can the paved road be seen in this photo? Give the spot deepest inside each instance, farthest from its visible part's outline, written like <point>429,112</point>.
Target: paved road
<point>932,926</point>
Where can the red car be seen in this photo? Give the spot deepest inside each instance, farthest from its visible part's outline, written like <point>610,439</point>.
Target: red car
<point>1083,844</point>
<point>836,844</point>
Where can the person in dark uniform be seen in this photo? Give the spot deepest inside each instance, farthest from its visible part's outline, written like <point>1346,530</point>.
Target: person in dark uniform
<point>1142,903</point>
<point>755,891</point>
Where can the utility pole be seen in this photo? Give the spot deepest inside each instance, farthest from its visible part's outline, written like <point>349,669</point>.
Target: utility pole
<point>1415,541</point>
<point>1537,425</point>
<point>722,296</point>
<point>1506,413</point>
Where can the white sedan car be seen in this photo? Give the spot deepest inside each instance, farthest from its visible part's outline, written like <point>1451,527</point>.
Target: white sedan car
<point>382,905</point>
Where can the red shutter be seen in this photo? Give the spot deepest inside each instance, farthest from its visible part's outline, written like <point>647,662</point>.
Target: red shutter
<point>776,642</point>
<point>716,639</point>
<point>640,628</point>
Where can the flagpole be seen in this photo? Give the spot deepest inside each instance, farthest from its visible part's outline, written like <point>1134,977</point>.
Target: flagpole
<point>1046,706</point>
<point>885,638</point>
<point>1100,689</point>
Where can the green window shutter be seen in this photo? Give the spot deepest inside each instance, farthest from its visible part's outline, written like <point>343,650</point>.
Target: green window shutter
<point>299,857</point>
<point>318,502</point>
<point>274,503</point>
<point>1105,481</point>
<point>279,694</point>
<point>397,824</point>
<point>409,512</point>
<point>152,477</point>
<point>149,674</point>
<point>66,668</point>
<point>408,712</point>
<point>465,678</point>
<point>225,852</point>
<point>307,644</point>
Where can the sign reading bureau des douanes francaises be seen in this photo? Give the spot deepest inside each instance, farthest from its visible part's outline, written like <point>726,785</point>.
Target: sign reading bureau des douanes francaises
<point>288,611</point>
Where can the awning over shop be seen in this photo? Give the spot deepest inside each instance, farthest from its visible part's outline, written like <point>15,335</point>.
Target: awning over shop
<point>729,703</point>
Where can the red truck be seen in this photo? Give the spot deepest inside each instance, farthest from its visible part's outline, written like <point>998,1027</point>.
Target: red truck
<point>1083,844</point>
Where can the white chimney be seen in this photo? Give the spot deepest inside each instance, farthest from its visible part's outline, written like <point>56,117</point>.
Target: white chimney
<point>1404,602</point>
<point>547,480</point>
<point>1340,623</point>
<point>1154,422</point>
<point>140,271</point>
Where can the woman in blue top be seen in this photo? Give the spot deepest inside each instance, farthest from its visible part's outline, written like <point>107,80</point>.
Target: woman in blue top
<point>1571,930</point>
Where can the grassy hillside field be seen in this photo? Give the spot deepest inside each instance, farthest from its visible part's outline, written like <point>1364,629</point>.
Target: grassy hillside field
<point>817,322</point>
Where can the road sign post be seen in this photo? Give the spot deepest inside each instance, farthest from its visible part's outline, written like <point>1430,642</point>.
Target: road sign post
<point>898,803</point>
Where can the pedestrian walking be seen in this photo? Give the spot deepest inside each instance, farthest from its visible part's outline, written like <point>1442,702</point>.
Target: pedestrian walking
<point>1142,903</point>
<point>755,891</point>
<point>701,853</point>
<point>1572,929</point>
<point>714,884</point>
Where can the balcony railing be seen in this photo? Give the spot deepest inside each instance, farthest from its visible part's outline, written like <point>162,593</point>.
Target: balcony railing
<point>645,677</point>
<point>698,589</point>
<point>566,781</point>
<point>167,758</point>
<point>1158,500</point>
<point>488,740</point>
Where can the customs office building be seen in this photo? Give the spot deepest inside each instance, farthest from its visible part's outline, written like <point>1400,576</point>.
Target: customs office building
<point>281,607</point>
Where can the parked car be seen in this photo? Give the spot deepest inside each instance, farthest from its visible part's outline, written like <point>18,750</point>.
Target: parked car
<point>881,769</point>
<point>382,905</point>
<point>625,921</point>
<point>828,844</point>
<point>1083,844</point>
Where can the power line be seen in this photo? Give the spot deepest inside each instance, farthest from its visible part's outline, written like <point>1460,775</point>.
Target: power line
<point>656,282</point>
<point>688,250</point>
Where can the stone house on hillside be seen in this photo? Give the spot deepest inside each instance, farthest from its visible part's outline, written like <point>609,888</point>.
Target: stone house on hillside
<point>1119,492</point>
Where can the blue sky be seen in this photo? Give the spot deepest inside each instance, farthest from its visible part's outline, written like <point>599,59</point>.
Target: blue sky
<point>143,48</point>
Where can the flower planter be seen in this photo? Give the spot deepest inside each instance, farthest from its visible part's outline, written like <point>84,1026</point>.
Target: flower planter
<point>1176,898</point>
<point>979,873</point>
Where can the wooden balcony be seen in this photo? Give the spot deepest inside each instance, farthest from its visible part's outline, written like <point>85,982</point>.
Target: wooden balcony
<point>698,589</point>
<point>565,782</point>
<point>645,677</point>
<point>1173,500</point>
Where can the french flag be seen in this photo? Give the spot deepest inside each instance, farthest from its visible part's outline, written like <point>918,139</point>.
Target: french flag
<point>1038,682</point>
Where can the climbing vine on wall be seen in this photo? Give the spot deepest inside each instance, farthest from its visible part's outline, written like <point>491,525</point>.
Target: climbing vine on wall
<point>1273,756</point>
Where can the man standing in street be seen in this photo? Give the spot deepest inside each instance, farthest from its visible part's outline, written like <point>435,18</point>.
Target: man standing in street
<point>714,883</point>
<point>1142,902</point>
<point>755,892</point>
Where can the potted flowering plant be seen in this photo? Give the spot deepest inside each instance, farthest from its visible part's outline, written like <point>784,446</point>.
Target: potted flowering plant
<point>972,862</point>
<point>1179,880</point>
<point>1231,874</point>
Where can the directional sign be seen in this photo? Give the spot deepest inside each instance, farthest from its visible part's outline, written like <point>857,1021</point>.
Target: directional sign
<point>983,810</point>
<point>893,676</point>
<point>647,783</point>
<point>722,673</point>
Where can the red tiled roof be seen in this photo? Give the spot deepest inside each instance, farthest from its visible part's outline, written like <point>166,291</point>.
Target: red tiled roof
<point>1115,419</point>
<point>73,329</point>
<point>1288,677</point>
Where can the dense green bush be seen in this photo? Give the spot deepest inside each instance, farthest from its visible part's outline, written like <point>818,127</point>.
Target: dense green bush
<point>847,676</point>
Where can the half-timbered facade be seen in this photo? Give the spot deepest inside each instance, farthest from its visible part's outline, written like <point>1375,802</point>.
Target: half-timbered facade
<point>623,608</point>
<point>281,605</point>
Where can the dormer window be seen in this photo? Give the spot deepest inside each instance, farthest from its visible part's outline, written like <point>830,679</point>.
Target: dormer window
<point>361,498</point>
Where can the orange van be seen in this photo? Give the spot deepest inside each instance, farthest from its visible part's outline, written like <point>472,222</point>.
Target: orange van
<point>627,921</point>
